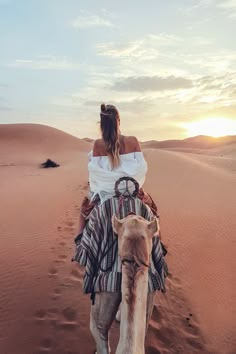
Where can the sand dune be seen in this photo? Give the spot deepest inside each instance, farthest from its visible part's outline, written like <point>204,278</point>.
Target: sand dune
<point>228,151</point>
<point>200,142</point>
<point>42,306</point>
<point>198,205</point>
<point>217,153</point>
<point>224,164</point>
<point>22,143</point>
<point>41,136</point>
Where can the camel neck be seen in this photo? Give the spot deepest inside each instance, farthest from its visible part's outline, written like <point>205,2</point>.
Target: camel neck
<point>133,316</point>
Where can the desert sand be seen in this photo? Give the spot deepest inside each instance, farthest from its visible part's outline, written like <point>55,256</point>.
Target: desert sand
<point>42,307</point>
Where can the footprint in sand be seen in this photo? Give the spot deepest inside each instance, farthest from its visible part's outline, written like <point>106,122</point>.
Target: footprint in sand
<point>173,281</point>
<point>69,223</point>
<point>61,259</point>
<point>58,261</point>
<point>187,331</point>
<point>191,333</point>
<point>46,343</point>
<point>69,319</point>
<point>77,275</point>
<point>194,342</point>
<point>56,294</point>
<point>63,256</point>
<point>191,327</point>
<point>70,314</point>
<point>50,315</point>
<point>163,333</point>
<point>52,272</point>
<point>40,315</point>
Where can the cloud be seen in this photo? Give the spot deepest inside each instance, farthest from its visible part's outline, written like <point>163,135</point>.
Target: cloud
<point>152,83</point>
<point>209,90</point>
<point>86,20</point>
<point>164,39</point>
<point>120,50</point>
<point>203,4</point>
<point>45,63</point>
<point>221,81</point>
<point>145,48</point>
<point>168,54</point>
<point>220,61</point>
<point>229,6</point>
<point>131,105</point>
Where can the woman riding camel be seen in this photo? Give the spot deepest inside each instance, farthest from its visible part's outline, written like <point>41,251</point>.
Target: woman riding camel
<point>116,159</point>
<point>114,156</point>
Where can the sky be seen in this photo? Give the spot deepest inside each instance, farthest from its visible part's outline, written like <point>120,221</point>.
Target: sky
<point>166,65</point>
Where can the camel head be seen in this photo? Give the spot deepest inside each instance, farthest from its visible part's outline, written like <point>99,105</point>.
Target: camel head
<point>135,238</point>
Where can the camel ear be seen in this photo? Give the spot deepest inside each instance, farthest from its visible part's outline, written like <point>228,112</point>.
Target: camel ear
<point>116,224</point>
<point>153,226</point>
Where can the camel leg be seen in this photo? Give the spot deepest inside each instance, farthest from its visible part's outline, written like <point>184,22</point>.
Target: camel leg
<point>102,315</point>
<point>150,304</point>
<point>118,314</point>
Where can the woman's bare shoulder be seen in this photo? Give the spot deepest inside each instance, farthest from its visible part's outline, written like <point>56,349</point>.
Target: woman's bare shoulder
<point>132,143</point>
<point>99,148</point>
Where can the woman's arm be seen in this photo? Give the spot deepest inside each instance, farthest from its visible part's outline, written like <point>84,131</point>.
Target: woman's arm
<point>97,147</point>
<point>135,144</point>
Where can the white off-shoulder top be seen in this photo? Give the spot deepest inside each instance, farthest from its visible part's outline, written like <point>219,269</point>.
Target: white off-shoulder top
<point>102,177</point>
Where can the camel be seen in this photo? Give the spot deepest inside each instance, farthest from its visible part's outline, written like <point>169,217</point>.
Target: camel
<point>134,247</point>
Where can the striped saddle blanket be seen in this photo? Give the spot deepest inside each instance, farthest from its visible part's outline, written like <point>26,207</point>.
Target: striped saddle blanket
<point>97,248</point>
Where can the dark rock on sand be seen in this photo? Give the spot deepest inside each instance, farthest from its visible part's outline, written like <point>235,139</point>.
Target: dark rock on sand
<point>49,163</point>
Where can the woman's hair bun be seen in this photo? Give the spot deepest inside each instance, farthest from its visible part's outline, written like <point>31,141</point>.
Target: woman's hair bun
<point>103,107</point>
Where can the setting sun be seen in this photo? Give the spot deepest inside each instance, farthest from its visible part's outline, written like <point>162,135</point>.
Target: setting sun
<point>215,127</point>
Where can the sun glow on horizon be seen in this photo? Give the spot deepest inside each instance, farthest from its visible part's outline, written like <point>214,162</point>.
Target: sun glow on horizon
<point>215,127</point>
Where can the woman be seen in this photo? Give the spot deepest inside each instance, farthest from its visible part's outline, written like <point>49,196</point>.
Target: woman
<point>113,156</point>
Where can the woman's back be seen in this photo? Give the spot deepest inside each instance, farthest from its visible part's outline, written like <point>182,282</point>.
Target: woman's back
<point>128,144</point>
